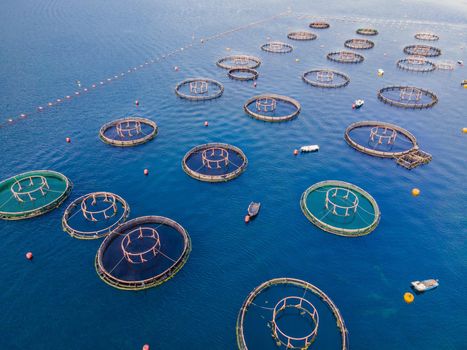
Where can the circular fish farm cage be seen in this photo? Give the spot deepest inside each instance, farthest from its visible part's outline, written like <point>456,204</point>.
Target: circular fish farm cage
<point>319,25</point>
<point>214,162</point>
<point>143,253</point>
<point>384,140</point>
<point>272,108</point>
<point>367,31</point>
<point>95,215</point>
<point>239,61</point>
<point>422,50</point>
<point>340,208</point>
<point>426,36</point>
<point>302,36</point>
<point>288,309</point>
<point>32,194</point>
<point>199,89</point>
<point>359,44</point>
<point>345,57</point>
<point>277,47</point>
<point>407,97</point>
<point>243,74</point>
<point>416,64</point>
<point>127,132</point>
<point>325,78</point>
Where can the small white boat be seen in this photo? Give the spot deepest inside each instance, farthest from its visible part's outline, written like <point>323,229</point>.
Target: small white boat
<point>423,286</point>
<point>380,72</point>
<point>358,103</point>
<point>253,209</point>
<point>460,62</point>
<point>309,148</point>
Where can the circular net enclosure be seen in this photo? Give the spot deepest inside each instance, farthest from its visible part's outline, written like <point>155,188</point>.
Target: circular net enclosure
<point>426,36</point>
<point>214,162</point>
<point>143,253</point>
<point>367,31</point>
<point>302,36</point>
<point>243,74</point>
<point>325,78</point>
<point>386,140</point>
<point>127,132</point>
<point>340,208</point>
<point>272,108</point>
<point>288,310</point>
<point>239,61</point>
<point>422,50</point>
<point>199,89</point>
<point>32,194</point>
<point>95,215</point>
<point>345,57</point>
<point>319,25</point>
<point>416,64</point>
<point>407,97</point>
<point>359,44</point>
<point>277,47</point>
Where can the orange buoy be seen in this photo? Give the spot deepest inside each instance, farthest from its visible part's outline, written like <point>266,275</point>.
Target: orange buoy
<point>146,172</point>
<point>415,192</point>
<point>247,219</point>
<point>408,298</point>
<point>68,140</point>
<point>29,256</point>
<point>206,123</point>
<point>137,102</point>
<point>295,152</point>
<point>145,347</point>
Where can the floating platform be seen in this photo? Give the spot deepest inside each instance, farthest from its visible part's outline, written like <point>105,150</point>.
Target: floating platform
<point>95,215</point>
<point>345,57</point>
<point>340,208</point>
<point>128,132</point>
<point>143,253</point>
<point>277,47</point>
<point>426,36</point>
<point>326,78</point>
<point>239,61</point>
<point>319,25</point>
<point>407,97</point>
<point>199,89</point>
<point>367,31</point>
<point>32,194</point>
<point>302,36</point>
<point>243,74</point>
<point>416,64</point>
<point>214,162</point>
<point>289,298</point>
<point>422,50</point>
<point>359,44</point>
<point>272,108</point>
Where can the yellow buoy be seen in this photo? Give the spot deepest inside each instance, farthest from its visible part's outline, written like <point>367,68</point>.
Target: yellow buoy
<point>408,298</point>
<point>415,192</point>
<point>464,130</point>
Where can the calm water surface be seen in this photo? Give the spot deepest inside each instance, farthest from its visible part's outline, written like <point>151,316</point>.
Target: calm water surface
<point>58,301</point>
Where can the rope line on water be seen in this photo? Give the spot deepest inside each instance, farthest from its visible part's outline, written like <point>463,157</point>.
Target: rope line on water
<point>119,76</point>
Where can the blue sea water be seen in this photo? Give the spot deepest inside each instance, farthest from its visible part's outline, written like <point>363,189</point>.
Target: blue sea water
<point>58,301</point>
